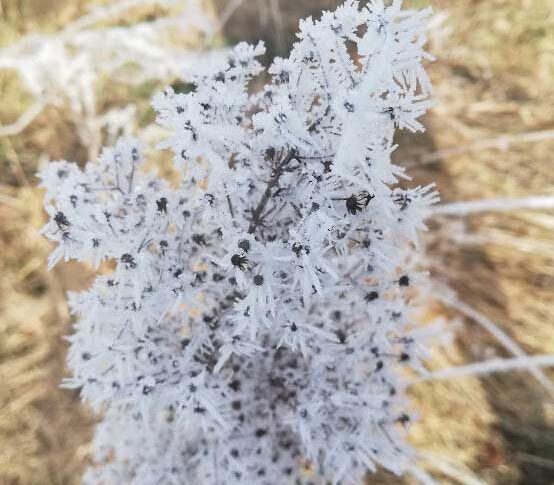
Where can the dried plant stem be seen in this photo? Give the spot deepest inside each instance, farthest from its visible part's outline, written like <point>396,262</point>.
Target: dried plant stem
<point>448,297</point>
<point>491,366</point>
<point>492,205</point>
<point>499,143</point>
<point>23,121</point>
<point>451,469</point>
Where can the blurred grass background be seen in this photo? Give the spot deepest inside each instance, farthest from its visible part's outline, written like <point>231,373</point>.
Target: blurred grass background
<point>494,77</point>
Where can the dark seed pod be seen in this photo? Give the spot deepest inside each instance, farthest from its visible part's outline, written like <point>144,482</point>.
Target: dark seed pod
<point>240,262</point>
<point>244,244</point>
<point>61,220</point>
<point>128,260</point>
<point>404,281</point>
<point>371,296</point>
<point>162,205</point>
<point>357,202</point>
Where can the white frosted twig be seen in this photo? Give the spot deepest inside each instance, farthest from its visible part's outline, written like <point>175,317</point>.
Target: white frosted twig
<point>520,244</point>
<point>492,205</point>
<point>500,143</point>
<point>422,476</point>
<point>99,14</point>
<point>451,469</point>
<point>491,366</point>
<point>275,9</point>
<point>448,297</point>
<point>500,238</point>
<point>225,16</point>
<point>23,121</point>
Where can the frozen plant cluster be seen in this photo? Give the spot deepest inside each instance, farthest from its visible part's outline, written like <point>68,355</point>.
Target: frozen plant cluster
<point>255,328</point>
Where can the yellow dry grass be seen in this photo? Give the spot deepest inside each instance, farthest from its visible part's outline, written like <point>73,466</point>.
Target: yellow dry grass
<point>494,77</point>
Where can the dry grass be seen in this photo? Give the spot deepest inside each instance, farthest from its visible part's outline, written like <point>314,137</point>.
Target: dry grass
<point>494,77</point>
<point>42,429</point>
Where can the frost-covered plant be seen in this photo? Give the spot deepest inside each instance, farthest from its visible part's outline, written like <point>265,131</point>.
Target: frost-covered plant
<point>255,329</point>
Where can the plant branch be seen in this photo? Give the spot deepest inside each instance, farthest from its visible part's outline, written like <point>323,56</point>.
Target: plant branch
<point>277,172</point>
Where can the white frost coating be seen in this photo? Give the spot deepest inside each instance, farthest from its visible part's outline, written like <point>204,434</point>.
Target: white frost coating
<point>492,365</point>
<point>493,205</point>
<point>257,317</point>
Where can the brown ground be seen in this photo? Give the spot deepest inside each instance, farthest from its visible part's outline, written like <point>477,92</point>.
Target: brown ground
<point>494,77</point>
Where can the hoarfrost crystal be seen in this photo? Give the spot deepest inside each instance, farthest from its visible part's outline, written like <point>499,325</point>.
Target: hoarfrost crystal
<point>256,325</point>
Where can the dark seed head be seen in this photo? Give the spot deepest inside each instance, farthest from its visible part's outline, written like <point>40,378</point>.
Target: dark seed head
<point>298,248</point>
<point>239,261</point>
<point>352,205</point>
<point>61,219</point>
<point>349,107</point>
<point>371,296</point>
<point>341,335</point>
<point>217,277</point>
<point>128,260</point>
<point>199,239</point>
<point>284,76</point>
<point>356,202</point>
<point>162,205</point>
<point>244,244</point>
<point>403,419</point>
